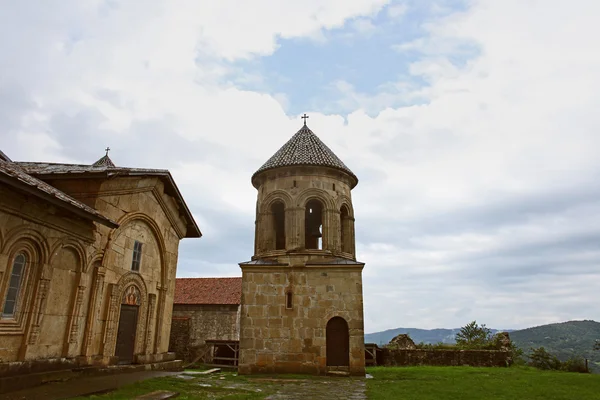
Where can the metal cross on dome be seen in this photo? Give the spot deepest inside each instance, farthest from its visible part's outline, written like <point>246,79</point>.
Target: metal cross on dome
<point>304,118</point>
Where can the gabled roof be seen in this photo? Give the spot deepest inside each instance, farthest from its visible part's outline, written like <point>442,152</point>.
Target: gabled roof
<point>208,291</point>
<point>58,171</point>
<point>4,157</point>
<point>13,175</point>
<point>304,148</point>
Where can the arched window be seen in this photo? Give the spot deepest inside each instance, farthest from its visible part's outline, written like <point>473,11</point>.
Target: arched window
<point>345,239</point>
<point>313,225</point>
<point>14,286</point>
<point>278,211</point>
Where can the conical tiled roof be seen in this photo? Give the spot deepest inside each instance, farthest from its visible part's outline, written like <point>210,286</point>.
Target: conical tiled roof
<point>305,148</point>
<point>105,161</point>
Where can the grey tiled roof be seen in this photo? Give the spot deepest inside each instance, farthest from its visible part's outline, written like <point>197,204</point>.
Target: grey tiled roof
<point>17,176</point>
<point>105,161</point>
<point>305,148</point>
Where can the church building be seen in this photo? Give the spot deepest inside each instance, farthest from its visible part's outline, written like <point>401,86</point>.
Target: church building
<point>302,302</point>
<point>88,256</point>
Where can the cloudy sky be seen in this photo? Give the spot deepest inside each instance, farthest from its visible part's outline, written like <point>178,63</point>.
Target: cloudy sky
<point>473,126</point>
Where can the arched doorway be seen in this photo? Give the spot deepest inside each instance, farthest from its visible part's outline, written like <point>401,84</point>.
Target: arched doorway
<point>128,319</point>
<point>338,343</point>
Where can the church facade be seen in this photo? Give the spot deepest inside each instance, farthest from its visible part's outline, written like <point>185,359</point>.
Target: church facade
<point>302,302</point>
<point>88,256</point>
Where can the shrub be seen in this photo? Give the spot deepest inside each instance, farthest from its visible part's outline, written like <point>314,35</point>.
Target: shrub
<point>541,359</point>
<point>575,364</point>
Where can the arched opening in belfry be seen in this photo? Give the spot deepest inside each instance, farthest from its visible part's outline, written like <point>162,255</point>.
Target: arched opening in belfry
<point>278,211</point>
<point>337,343</point>
<point>346,234</point>
<point>313,224</point>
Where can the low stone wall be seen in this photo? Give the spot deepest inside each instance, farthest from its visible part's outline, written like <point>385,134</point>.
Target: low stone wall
<point>442,357</point>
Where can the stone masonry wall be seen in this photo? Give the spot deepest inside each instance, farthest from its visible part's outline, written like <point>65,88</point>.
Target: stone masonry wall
<point>442,357</point>
<point>205,322</point>
<point>297,336</point>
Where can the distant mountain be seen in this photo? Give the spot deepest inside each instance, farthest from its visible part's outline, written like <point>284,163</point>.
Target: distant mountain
<point>431,336</point>
<point>564,340</point>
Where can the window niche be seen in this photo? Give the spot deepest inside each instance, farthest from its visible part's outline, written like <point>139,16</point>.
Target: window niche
<point>278,211</point>
<point>345,230</point>
<point>14,286</point>
<point>137,256</point>
<point>313,225</point>
<point>289,300</point>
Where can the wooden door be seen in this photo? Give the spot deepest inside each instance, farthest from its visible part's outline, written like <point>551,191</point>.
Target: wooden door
<point>126,333</point>
<point>338,343</point>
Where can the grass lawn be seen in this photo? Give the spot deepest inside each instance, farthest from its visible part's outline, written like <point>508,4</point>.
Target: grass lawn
<point>388,383</point>
<point>465,383</point>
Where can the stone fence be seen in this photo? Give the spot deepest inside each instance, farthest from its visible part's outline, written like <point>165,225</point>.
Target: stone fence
<point>443,357</point>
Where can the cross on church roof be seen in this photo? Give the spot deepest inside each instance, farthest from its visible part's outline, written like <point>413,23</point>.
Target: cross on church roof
<point>107,150</point>
<point>304,118</point>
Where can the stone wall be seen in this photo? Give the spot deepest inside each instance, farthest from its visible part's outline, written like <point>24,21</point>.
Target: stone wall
<point>179,341</point>
<point>277,339</point>
<point>443,357</point>
<point>193,324</point>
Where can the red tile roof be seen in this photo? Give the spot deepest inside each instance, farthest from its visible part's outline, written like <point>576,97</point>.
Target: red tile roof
<point>208,291</point>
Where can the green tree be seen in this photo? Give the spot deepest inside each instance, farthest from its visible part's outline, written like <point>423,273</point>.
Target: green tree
<point>473,335</point>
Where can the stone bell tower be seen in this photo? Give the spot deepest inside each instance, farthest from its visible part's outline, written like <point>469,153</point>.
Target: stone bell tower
<point>302,303</point>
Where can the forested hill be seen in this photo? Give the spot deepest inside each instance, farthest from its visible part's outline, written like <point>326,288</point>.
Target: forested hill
<point>564,340</point>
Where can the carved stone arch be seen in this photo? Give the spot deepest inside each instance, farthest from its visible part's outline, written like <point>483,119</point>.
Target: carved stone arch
<point>117,291</point>
<point>94,260</point>
<point>318,194</point>
<point>28,235</point>
<point>76,247</point>
<point>344,200</point>
<point>33,283</point>
<point>154,228</point>
<point>276,195</point>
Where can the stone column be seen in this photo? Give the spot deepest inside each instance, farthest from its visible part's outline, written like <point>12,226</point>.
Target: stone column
<point>94,307</point>
<point>162,295</point>
<point>292,235</point>
<point>330,229</point>
<point>111,320</point>
<point>150,323</point>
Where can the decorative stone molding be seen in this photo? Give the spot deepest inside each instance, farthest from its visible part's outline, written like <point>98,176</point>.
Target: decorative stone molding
<point>109,332</point>
<point>76,315</point>
<point>94,308</point>
<point>38,313</point>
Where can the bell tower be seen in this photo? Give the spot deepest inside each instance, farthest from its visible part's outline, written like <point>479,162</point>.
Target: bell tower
<point>302,304</point>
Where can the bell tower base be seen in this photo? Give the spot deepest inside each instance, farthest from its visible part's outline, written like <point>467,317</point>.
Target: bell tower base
<point>304,319</point>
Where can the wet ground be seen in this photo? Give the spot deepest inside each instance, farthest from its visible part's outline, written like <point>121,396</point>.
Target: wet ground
<point>195,384</point>
<point>82,386</point>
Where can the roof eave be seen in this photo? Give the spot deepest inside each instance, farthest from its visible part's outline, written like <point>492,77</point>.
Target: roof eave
<point>57,202</point>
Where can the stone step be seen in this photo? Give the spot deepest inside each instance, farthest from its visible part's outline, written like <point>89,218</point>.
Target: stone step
<point>338,373</point>
<point>158,395</point>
